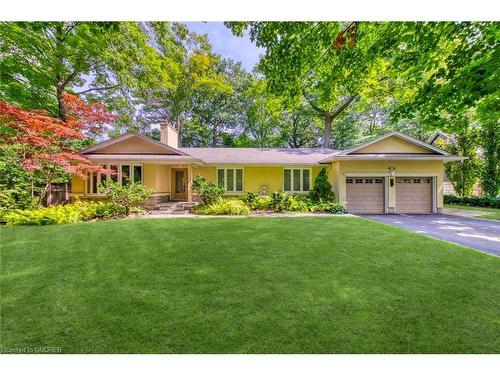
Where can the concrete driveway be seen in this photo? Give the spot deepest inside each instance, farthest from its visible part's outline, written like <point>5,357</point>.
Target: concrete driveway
<point>479,234</point>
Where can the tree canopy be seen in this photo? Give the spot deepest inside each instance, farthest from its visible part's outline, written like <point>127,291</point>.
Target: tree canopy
<point>329,84</point>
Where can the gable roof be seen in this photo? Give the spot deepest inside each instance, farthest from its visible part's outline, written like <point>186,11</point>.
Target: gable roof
<point>435,153</point>
<point>255,156</point>
<point>400,135</point>
<point>129,135</point>
<point>260,156</point>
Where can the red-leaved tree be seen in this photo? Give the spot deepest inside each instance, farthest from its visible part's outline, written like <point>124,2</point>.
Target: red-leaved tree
<point>43,143</point>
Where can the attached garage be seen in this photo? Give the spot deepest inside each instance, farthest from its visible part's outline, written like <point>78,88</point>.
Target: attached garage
<point>365,195</point>
<point>413,195</point>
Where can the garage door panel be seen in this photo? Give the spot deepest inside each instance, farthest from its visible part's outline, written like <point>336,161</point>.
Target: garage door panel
<point>413,195</point>
<point>365,195</point>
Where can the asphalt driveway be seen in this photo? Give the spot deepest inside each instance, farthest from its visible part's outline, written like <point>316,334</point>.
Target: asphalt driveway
<point>479,234</point>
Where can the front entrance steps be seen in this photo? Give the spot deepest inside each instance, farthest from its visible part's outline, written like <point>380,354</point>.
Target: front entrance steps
<point>172,208</point>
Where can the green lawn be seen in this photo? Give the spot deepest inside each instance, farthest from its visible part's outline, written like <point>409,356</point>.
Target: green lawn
<point>245,285</point>
<point>487,213</point>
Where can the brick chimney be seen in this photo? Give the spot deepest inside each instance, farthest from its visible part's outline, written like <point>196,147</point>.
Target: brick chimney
<point>169,135</point>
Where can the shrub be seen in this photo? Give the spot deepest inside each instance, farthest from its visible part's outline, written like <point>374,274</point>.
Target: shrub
<point>16,198</point>
<point>256,202</point>
<point>249,198</point>
<point>128,196</point>
<point>280,202</point>
<point>328,207</point>
<point>225,207</point>
<point>209,192</point>
<point>473,201</point>
<point>262,203</point>
<point>322,189</point>
<point>71,213</point>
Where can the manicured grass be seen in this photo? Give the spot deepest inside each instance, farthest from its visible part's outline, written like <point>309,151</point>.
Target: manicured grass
<point>487,212</point>
<point>245,285</point>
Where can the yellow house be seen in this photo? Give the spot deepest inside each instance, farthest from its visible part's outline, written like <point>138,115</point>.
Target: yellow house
<point>394,173</point>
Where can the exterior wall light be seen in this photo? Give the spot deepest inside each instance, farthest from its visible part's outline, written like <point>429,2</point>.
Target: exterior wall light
<point>392,173</point>
<point>392,170</point>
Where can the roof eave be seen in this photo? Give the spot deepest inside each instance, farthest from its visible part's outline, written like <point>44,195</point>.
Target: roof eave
<point>122,137</point>
<point>162,159</point>
<point>446,158</point>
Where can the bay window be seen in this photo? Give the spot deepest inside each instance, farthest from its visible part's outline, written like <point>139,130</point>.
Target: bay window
<point>230,179</point>
<point>296,180</point>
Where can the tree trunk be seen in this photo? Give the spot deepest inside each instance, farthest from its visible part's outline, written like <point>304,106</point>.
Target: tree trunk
<point>214,135</point>
<point>491,146</point>
<point>179,132</point>
<point>327,134</point>
<point>59,78</point>
<point>61,107</point>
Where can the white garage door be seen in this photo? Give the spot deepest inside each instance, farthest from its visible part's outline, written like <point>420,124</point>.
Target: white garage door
<point>413,195</point>
<point>365,195</point>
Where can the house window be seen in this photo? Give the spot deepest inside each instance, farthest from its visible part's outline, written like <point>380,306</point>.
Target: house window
<point>126,175</point>
<point>348,180</point>
<point>368,180</point>
<point>230,179</point>
<point>121,174</point>
<point>379,180</point>
<point>137,175</point>
<point>296,180</point>
<point>114,170</point>
<point>359,180</point>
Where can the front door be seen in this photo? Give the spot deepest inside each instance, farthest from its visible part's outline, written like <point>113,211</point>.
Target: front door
<point>179,177</point>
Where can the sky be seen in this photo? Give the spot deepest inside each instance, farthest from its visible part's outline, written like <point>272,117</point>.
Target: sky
<point>227,45</point>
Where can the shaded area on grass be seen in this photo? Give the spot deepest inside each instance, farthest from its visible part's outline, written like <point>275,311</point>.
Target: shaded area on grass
<point>245,285</point>
<point>480,212</point>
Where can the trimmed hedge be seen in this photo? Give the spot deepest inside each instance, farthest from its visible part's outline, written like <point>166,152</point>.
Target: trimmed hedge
<point>474,201</point>
<point>71,213</point>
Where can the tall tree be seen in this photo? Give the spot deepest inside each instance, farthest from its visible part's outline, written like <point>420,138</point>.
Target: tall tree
<point>488,115</point>
<point>262,115</point>
<point>452,73</point>
<point>331,64</point>
<point>43,144</point>
<point>464,175</point>
<point>217,101</point>
<point>300,127</point>
<point>196,70</point>
<point>42,61</point>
